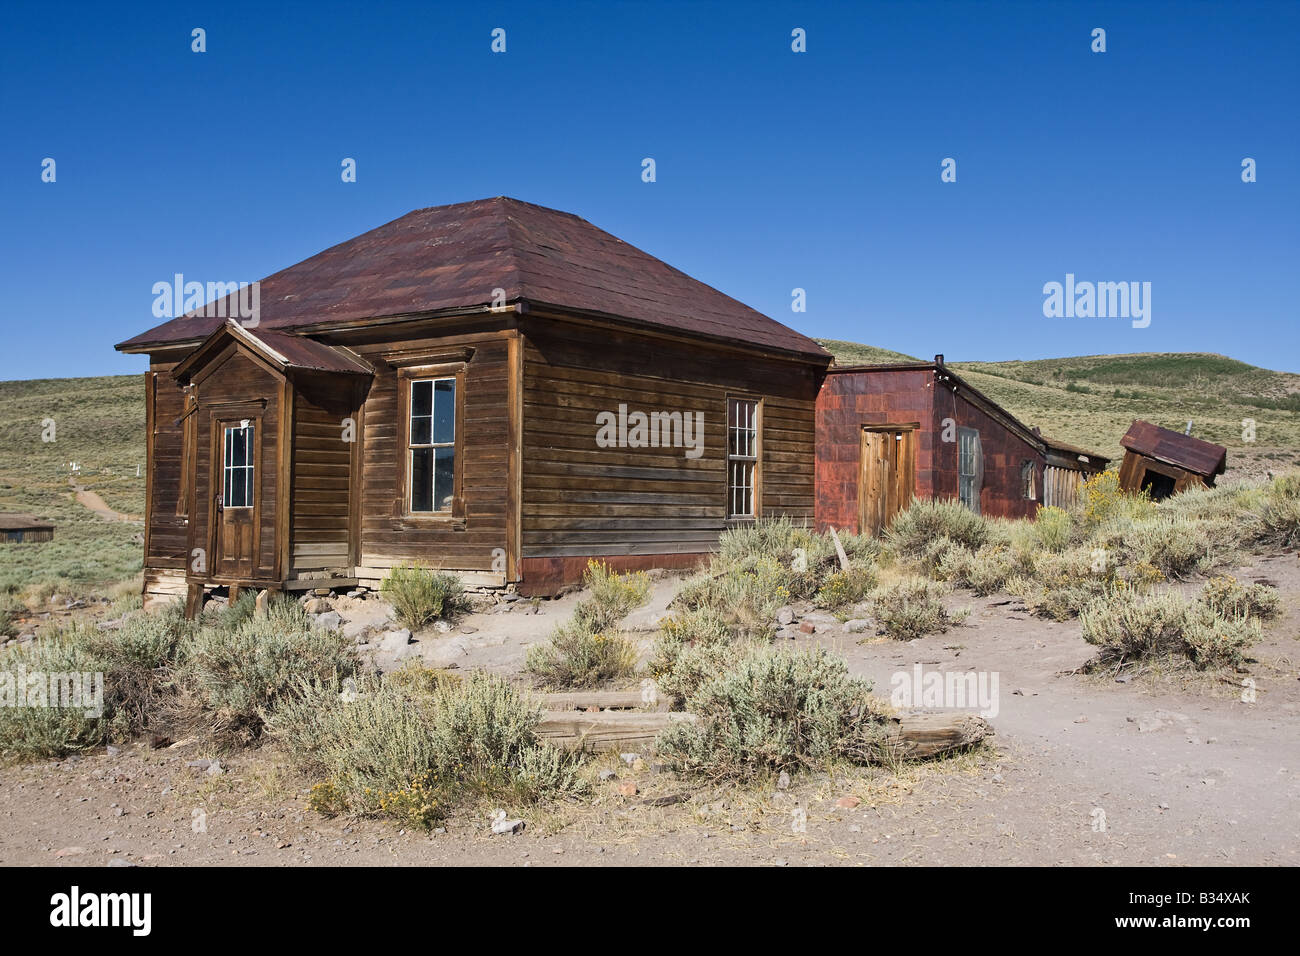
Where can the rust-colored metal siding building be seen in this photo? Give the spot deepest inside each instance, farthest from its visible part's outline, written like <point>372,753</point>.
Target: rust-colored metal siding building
<point>889,432</point>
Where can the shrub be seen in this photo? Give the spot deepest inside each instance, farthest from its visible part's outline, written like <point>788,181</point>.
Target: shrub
<point>841,588</point>
<point>420,596</point>
<point>746,595</point>
<point>1101,500</point>
<point>10,609</point>
<point>775,710</point>
<point>925,521</point>
<point>30,726</point>
<point>1061,585</point>
<point>1127,625</point>
<point>1230,599</point>
<point>984,572</point>
<point>1176,545</point>
<point>1054,527</point>
<point>682,653</point>
<point>1279,513</point>
<point>613,596</point>
<point>136,660</point>
<point>382,751</point>
<point>576,656</point>
<point>912,608</point>
<point>235,675</point>
<point>587,650</point>
<point>131,664</point>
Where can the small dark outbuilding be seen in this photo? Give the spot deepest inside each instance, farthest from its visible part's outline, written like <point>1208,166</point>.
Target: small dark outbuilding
<point>1165,462</point>
<point>26,528</point>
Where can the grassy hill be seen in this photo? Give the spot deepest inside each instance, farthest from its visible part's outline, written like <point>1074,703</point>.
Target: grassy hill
<point>98,422</point>
<point>1091,400</point>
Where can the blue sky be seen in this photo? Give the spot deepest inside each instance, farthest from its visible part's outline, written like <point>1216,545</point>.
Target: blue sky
<point>775,170</point>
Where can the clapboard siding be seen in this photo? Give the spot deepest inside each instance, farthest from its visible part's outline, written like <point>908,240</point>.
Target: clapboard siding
<point>580,499</point>
<point>168,526</point>
<point>236,382</point>
<point>478,540</point>
<point>324,417</point>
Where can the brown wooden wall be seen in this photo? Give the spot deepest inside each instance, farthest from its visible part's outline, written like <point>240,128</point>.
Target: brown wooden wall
<point>226,388</point>
<point>474,541</point>
<point>581,500</point>
<point>320,526</point>
<point>167,530</point>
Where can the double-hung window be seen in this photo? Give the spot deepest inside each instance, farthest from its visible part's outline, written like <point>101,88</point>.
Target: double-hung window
<point>431,445</point>
<point>742,457</point>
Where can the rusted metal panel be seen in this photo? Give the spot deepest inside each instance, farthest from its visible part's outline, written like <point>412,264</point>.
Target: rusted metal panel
<point>1174,448</point>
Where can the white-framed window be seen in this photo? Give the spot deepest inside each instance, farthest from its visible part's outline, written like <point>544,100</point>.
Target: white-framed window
<point>431,445</point>
<point>742,457</point>
<point>237,466</point>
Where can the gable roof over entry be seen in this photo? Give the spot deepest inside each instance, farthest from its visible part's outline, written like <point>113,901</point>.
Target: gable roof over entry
<point>446,259</point>
<point>279,350</point>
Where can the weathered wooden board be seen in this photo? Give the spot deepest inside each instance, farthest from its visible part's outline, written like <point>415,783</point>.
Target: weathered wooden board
<point>909,737</point>
<point>608,730</point>
<point>917,736</point>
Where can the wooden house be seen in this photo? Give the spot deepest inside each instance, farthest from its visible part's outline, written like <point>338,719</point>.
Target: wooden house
<point>889,432</point>
<point>493,388</point>
<point>1164,462</point>
<point>24,528</point>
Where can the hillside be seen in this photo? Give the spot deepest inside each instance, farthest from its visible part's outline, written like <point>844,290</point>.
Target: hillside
<point>1091,400</point>
<point>99,423</point>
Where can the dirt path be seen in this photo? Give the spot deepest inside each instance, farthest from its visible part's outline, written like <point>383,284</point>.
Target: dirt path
<point>95,503</point>
<point>1184,775</point>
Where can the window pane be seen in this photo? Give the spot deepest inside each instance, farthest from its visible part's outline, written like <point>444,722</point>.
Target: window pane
<point>238,487</point>
<point>420,431</point>
<point>225,488</point>
<point>421,398</point>
<point>444,479</point>
<point>238,448</point>
<point>444,410</point>
<point>421,479</point>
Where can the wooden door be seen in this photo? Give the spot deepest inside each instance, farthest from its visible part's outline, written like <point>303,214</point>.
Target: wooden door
<point>887,479</point>
<point>236,498</point>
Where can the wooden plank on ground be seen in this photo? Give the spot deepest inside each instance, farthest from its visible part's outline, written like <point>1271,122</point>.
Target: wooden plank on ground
<point>608,730</point>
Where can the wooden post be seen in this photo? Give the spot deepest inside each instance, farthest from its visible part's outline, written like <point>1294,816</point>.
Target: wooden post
<point>193,600</point>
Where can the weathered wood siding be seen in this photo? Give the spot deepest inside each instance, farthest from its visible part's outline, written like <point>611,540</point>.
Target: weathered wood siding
<point>321,501</point>
<point>228,388</point>
<point>478,540</point>
<point>580,499</point>
<point>167,530</point>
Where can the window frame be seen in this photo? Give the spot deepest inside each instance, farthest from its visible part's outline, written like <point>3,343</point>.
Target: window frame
<point>1029,479</point>
<point>252,429</point>
<point>406,377</point>
<point>977,475</point>
<point>756,483</point>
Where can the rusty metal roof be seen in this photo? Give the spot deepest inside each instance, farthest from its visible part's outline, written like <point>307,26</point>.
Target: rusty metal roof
<point>447,258</point>
<point>1174,448</point>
